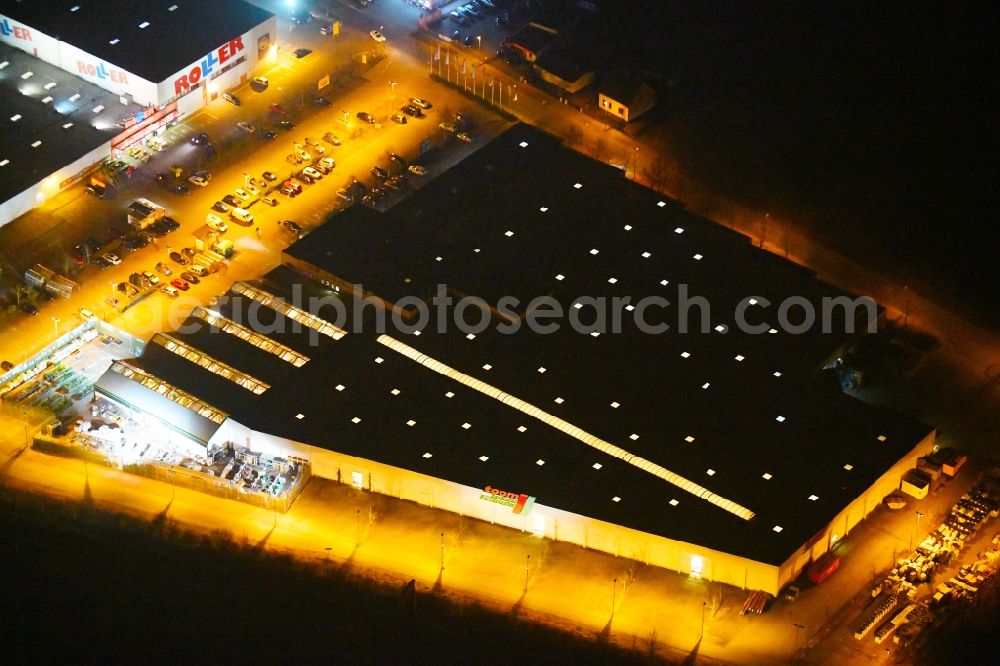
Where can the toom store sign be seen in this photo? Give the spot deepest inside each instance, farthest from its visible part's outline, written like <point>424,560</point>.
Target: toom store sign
<point>15,31</point>
<point>203,70</point>
<point>101,72</point>
<point>521,504</point>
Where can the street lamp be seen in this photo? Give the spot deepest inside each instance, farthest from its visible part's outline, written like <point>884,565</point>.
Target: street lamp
<point>527,561</point>
<point>55,320</point>
<point>798,629</point>
<point>702,620</point>
<point>479,38</point>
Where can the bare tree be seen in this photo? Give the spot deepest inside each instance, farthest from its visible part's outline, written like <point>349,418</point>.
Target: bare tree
<point>600,149</point>
<point>573,134</point>
<point>657,174</point>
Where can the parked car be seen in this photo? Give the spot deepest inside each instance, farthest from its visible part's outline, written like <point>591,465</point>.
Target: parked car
<point>293,226</point>
<point>422,103</point>
<point>241,216</point>
<point>215,222</point>
<point>221,207</point>
<point>200,139</point>
<point>306,178</point>
<point>179,284</point>
<point>321,101</point>
<point>232,99</point>
<point>448,127</point>
<point>331,138</point>
<point>343,194</point>
<point>291,189</point>
<point>277,109</point>
<point>111,258</point>
<point>180,189</point>
<point>398,118</point>
<point>246,127</point>
<point>170,291</point>
<point>377,36</point>
<point>268,134</point>
<point>412,110</point>
<point>190,277</point>
<point>260,83</point>
<point>316,175</point>
<point>29,308</point>
<point>269,200</point>
<point>286,125</point>
<point>379,173</point>
<point>365,117</point>
<point>269,177</point>
<point>327,162</point>
<point>462,136</point>
<point>178,258</point>
<point>398,159</point>
<point>87,315</point>
<point>151,278</point>
<point>302,155</point>
<point>95,190</point>
<point>198,270</point>
<point>198,180</point>
<point>301,53</point>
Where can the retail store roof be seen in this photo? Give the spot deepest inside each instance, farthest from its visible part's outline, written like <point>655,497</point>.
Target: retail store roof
<point>151,40</point>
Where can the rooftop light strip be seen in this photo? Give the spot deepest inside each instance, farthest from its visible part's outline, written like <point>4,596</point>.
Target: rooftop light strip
<point>170,392</point>
<point>280,306</point>
<point>566,427</point>
<point>250,336</point>
<point>214,366</point>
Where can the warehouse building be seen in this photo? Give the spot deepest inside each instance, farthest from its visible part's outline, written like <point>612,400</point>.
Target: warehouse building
<point>156,62</point>
<point>717,452</point>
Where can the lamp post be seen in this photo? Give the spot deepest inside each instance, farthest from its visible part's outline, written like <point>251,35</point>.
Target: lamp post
<point>479,38</point>
<point>527,561</point>
<point>614,594</point>
<point>702,620</point>
<point>442,551</point>
<point>55,321</point>
<point>357,528</point>
<point>916,529</point>
<point>798,629</point>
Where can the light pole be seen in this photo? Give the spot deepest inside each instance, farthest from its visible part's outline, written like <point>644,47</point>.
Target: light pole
<point>702,620</point>
<point>55,320</point>
<point>357,529</point>
<point>479,38</point>
<point>442,551</point>
<point>798,628</point>
<point>916,529</point>
<point>906,307</point>
<point>614,594</point>
<point>527,561</point>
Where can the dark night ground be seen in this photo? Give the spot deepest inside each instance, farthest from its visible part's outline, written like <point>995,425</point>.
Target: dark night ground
<point>83,586</point>
<point>873,125</point>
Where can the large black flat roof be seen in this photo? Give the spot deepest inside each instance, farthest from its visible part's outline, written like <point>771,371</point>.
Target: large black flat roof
<point>66,128</point>
<point>178,33</point>
<point>751,418</point>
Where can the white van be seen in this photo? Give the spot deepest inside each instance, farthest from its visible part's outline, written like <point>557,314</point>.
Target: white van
<point>215,222</point>
<point>241,215</point>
